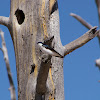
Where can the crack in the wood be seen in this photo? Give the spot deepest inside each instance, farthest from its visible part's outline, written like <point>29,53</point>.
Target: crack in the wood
<point>32,68</point>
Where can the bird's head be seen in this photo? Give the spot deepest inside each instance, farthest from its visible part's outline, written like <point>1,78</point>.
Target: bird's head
<point>40,43</point>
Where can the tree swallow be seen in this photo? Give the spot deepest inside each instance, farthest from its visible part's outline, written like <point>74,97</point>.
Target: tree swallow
<point>47,49</point>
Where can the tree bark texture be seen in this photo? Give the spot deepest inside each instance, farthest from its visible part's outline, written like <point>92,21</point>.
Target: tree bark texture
<point>32,21</point>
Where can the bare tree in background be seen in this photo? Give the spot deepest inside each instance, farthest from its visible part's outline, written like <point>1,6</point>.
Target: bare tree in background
<point>4,50</point>
<point>39,75</point>
<point>98,6</point>
<point>87,25</point>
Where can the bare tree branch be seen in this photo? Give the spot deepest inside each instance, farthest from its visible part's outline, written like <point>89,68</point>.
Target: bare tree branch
<point>81,40</point>
<point>1,49</point>
<point>86,24</point>
<point>98,63</point>
<point>82,21</point>
<point>98,6</point>
<point>45,65</point>
<point>4,49</point>
<point>4,20</point>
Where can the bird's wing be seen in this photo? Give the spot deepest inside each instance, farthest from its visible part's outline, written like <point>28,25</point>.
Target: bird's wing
<point>48,47</point>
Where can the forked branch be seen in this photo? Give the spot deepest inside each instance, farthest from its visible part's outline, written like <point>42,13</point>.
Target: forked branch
<point>81,40</point>
<point>4,50</point>
<point>45,65</point>
<point>87,25</point>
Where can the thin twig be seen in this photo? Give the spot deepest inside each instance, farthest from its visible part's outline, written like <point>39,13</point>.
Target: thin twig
<point>81,40</point>
<point>4,49</point>
<point>98,6</point>
<point>98,63</point>
<point>82,21</point>
<point>1,49</point>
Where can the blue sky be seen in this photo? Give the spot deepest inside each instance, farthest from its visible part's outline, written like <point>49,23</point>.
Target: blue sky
<point>80,73</point>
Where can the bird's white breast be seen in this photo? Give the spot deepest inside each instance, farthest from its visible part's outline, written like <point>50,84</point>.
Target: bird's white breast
<point>47,51</point>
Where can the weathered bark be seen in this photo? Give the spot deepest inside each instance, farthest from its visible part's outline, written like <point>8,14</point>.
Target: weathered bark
<point>38,25</point>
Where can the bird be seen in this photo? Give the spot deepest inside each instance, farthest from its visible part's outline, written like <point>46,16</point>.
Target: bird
<point>49,50</point>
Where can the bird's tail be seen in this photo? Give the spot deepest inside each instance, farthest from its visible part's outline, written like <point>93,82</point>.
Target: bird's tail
<point>60,56</point>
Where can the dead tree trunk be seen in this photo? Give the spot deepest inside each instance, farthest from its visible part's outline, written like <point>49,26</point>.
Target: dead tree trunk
<point>32,21</point>
<point>39,76</point>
